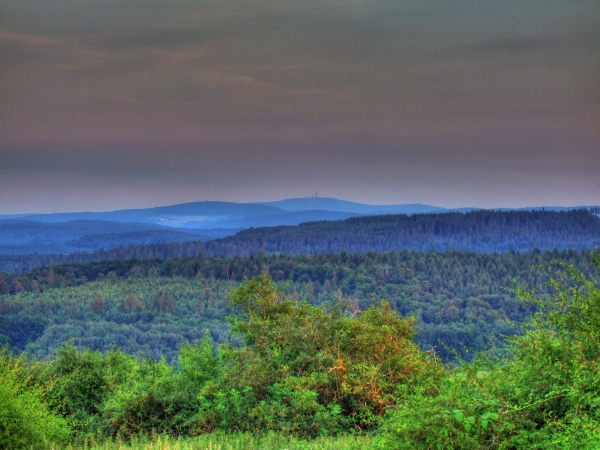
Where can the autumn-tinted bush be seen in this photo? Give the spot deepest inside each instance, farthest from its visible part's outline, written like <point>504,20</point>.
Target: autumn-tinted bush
<point>308,371</point>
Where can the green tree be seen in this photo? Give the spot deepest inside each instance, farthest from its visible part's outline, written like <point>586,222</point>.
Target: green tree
<point>319,370</point>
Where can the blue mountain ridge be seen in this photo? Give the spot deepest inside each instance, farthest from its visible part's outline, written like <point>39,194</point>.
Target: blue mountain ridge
<point>194,221</point>
<point>213,214</point>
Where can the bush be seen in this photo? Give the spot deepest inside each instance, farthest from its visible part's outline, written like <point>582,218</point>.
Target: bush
<point>25,419</point>
<point>156,397</point>
<point>306,371</point>
<point>546,396</point>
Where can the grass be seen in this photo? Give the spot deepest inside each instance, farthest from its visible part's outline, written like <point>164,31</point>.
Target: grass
<point>223,441</point>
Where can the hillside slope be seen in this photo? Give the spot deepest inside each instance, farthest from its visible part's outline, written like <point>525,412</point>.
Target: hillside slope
<point>479,231</point>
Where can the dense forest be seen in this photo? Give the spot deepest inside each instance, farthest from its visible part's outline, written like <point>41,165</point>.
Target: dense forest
<point>463,302</point>
<point>477,231</point>
<point>282,335</point>
<point>303,371</point>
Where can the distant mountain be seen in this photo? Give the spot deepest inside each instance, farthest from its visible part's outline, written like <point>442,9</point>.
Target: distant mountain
<point>283,218</point>
<point>66,233</point>
<point>332,204</point>
<point>477,231</point>
<point>209,214</point>
<point>176,216</point>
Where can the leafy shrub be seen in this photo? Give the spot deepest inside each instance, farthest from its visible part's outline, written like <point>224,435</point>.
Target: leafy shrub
<point>307,371</point>
<point>150,399</point>
<point>155,397</point>
<point>292,407</point>
<point>25,419</point>
<point>84,380</point>
<point>546,396</point>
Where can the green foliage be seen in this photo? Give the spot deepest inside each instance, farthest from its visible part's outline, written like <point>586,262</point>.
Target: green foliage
<point>292,407</point>
<point>304,371</point>
<point>26,421</point>
<point>197,362</point>
<point>307,371</point>
<point>299,370</point>
<point>547,395</point>
<point>130,317</point>
<point>118,394</point>
<point>220,440</point>
<point>84,381</point>
<point>152,398</point>
<point>460,299</point>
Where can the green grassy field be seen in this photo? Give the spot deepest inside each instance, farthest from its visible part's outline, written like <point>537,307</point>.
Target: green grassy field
<point>223,441</point>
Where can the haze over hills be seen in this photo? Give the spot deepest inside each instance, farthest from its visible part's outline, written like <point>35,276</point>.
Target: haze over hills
<point>191,215</point>
<point>217,214</point>
<point>214,214</point>
<point>332,204</point>
<point>195,221</point>
<point>476,231</point>
<point>66,233</point>
<point>30,237</point>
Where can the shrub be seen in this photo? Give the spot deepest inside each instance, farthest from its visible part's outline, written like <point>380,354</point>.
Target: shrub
<point>306,371</point>
<point>547,395</point>
<point>25,419</point>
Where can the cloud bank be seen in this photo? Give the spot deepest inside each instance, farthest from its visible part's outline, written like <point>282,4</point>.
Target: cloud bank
<point>114,103</point>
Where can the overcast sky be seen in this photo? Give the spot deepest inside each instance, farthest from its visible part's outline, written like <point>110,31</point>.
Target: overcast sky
<point>109,104</point>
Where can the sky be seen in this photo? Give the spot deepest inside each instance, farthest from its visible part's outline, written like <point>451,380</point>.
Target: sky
<point>112,104</point>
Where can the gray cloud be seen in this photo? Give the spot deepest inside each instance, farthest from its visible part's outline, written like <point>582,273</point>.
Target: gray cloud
<point>443,94</point>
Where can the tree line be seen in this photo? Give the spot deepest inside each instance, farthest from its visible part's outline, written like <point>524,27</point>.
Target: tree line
<point>308,371</point>
<point>477,231</point>
<point>463,302</point>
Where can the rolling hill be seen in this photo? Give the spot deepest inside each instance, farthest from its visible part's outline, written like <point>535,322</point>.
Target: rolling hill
<point>297,225</point>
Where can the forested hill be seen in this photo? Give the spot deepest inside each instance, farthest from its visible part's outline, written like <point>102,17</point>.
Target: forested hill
<point>477,231</point>
<point>461,299</point>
